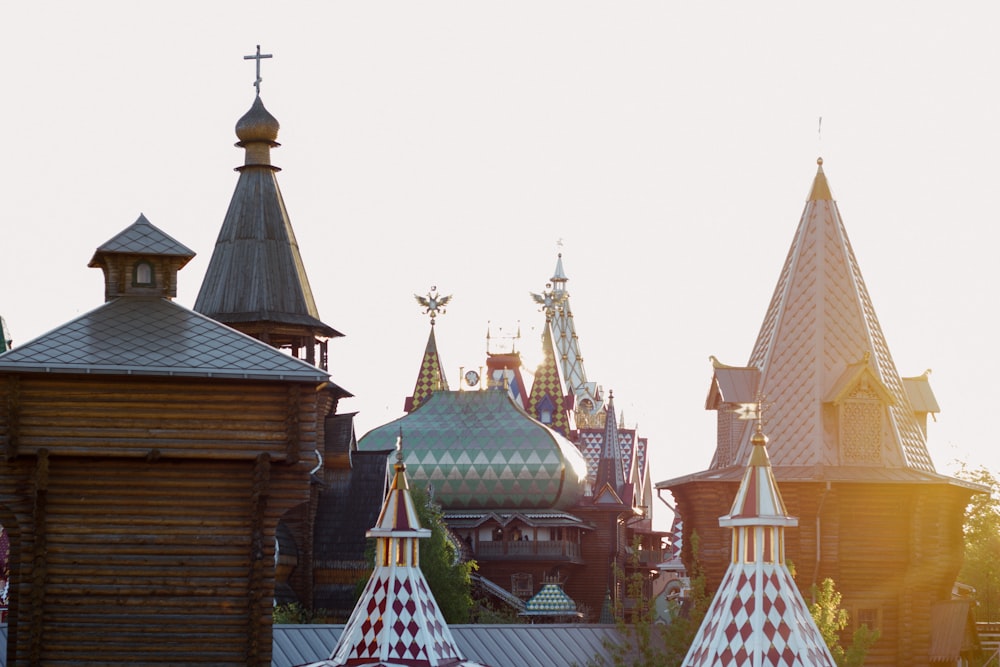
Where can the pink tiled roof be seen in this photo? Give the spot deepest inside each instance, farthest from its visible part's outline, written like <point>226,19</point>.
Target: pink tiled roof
<point>820,322</point>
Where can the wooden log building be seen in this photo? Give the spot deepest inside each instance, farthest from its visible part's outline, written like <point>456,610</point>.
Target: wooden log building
<point>151,450</point>
<point>848,448</point>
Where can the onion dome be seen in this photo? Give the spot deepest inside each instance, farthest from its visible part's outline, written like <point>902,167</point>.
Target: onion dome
<point>257,124</point>
<point>480,451</point>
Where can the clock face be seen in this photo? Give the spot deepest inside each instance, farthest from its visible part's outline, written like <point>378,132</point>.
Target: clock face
<point>472,378</point>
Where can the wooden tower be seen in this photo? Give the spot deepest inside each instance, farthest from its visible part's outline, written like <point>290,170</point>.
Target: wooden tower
<point>148,454</point>
<point>849,448</point>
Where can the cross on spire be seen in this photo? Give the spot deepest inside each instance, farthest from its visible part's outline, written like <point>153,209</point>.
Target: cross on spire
<point>258,57</point>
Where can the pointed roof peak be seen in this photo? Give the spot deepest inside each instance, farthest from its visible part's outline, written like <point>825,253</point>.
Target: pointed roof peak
<point>820,188</point>
<point>560,275</point>
<point>733,631</point>
<point>397,620</point>
<point>430,378</point>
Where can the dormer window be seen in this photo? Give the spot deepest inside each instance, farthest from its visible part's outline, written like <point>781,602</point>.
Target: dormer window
<point>142,274</point>
<point>545,409</point>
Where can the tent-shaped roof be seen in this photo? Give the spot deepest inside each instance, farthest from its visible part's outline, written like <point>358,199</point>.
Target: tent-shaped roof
<point>820,321</point>
<point>548,389</point>
<point>142,238</point>
<point>551,601</point>
<point>758,616</point>
<point>397,622</point>
<point>431,376</point>
<point>256,274</point>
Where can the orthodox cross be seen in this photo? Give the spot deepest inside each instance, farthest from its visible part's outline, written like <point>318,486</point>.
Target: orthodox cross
<point>258,57</point>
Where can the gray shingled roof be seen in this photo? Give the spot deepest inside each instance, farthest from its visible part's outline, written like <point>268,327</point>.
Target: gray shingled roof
<point>154,336</point>
<point>256,272</point>
<point>549,645</point>
<point>144,238</point>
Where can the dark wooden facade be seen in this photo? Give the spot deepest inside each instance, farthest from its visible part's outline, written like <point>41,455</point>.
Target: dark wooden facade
<point>892,549</point>
<point>142,513</point>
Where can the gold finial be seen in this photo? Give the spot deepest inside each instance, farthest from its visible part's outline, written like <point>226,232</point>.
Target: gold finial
<point>433,303</point>
<point>820,188</point>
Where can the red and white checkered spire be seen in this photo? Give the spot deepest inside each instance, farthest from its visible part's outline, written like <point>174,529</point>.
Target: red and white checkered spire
<point>397,622</point>
<point>758,617</point>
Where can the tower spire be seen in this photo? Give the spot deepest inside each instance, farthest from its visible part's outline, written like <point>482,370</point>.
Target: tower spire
<point>431,376</point>
<point>397,621</point>
<point>256,281</point>
<point>758,616</point>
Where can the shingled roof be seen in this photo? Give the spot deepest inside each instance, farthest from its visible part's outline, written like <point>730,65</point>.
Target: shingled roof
<point>256,272</point>
<point>154,336</point>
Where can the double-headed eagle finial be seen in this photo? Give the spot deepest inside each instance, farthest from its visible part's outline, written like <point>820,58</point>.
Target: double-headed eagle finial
<point>433,303</point>
<point>549,300</point>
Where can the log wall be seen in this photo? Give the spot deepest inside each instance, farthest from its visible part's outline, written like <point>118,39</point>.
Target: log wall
<point>142,514</point>
<point>891,549</point>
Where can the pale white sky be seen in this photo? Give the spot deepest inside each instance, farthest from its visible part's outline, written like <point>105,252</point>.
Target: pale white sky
<point>670,145</point>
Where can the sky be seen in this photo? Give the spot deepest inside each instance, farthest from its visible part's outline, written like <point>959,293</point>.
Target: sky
<point>665,149</point>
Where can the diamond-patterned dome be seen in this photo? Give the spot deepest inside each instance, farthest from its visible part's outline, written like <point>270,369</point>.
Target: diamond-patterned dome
<point>479,450</point>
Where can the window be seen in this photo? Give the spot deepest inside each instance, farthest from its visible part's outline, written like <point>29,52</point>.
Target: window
<point>861,426</point>
<point>142,274</point>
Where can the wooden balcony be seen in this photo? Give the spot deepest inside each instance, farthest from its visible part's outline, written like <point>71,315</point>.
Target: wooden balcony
<point>557,550</point>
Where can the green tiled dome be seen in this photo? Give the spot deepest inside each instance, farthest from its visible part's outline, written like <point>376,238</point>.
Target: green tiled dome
<point>479,450</point>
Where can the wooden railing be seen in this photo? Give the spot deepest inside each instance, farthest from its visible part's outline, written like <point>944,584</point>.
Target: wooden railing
<point>989,640</point>
<point>527,549</point>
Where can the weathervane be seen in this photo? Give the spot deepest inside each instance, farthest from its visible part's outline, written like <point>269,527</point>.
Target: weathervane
<point>752,411</point>
<point>433,303</point>
<point>258,57</point>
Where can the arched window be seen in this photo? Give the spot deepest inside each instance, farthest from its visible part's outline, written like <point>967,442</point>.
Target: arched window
<point>142,274</point>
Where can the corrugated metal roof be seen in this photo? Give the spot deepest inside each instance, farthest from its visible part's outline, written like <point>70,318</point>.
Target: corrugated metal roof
<point>553,645</point>
<point>154,336</point>
<point>953,630</point>
<point>921,395</point>
<point>821,473</point>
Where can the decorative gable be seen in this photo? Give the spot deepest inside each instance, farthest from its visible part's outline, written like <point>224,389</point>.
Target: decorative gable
<point>858,405</point>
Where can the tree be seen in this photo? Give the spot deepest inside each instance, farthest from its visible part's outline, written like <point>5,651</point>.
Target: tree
<point>645,641</point>
<point>449,578</point>
<point>981,567</point>
<point>831,620</point>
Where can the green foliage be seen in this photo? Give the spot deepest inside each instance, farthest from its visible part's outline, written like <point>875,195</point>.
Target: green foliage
<point>831,621</point>
<point>981,567</point>
<point>486,612</point>
<point>449,579</point>
<point>293,613</point>
<point>651,644</point>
